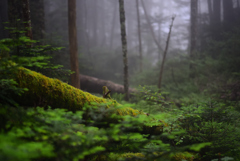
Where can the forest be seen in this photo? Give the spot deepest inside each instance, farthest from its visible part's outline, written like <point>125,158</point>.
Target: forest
<point>119,80</point>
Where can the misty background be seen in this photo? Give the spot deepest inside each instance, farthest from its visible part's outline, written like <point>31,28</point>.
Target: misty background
<point>99,39</point>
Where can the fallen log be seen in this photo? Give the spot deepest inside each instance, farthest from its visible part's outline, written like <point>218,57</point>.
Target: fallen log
<point>94,85</point>
<point>44,91</point>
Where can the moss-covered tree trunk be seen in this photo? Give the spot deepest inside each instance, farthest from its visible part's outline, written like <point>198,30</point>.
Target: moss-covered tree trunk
<point>124,46</point>
<point>44,91</point>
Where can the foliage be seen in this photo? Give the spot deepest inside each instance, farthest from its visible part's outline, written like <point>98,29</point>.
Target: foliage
<point>86,134</point>
<point>212,122</point>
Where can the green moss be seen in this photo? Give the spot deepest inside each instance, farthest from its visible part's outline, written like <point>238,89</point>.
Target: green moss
<point>183,156</point>
<point>45,91</point>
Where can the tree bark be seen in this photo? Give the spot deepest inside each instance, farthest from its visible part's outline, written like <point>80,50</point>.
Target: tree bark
<point>210,10</point>
<point>228,15</point>
<point>139,35</point>
<point>94,85</point>
<point>3,18</point>
<point>113,25</point>
<point>37,17</point>
<point>27,18</point>
<point>72,29</point>
<point>164,54</point>
<point>216,22</point>
<point>193,37</point>
<point>95,23</point>
<point>124,47</point>
<point>150,27</point>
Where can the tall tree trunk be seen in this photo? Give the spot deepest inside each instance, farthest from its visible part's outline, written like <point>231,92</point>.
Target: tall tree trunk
<point>86,30</point>
<point>210,10</point>
<point>113,25</point>
<point>228,15</point>
<point>72,29</point>
<point>164,54</point>
<point>216,23</point>
<point>139,35</point>
<point>27,18</point>
<point>193,38</point>
<point>151,28</point>
<point>124,46</point>
<point>103,27</point>
<point>95,23</point>
<point>37,16</point>
<point>3,18</point>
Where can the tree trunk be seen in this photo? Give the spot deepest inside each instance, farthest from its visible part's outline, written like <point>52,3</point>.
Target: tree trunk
<point>216,22</point>
<point>210,10</point>
<point>95,23</point>
<point>164,54</point>
<point>27,18</point>
<point>94,85</point>
<point>3,18</point>
<point>124,46</point>
<point>193,38</point>
<point>103,25</point>
<point>45,92</point>
<point>228,15</point>
<point>139,35</point>
<point>113,25</point>
<point>37,16</point>
<point>150,27</point>
<point>75,80</point>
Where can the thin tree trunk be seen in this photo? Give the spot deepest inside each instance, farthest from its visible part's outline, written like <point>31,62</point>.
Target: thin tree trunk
<point>193,38</point>
<point>86,31</point>
<point>72,29</point>
<point>124,46</point>
<point>210,10</point>
<point>150,27</point>
<point>95,23</point>
<point>139,35</point>
<point>113,25</point>
<point>103,16</point>
<point>216,19</point>
<point>164,54</point>
<point>27,18</point>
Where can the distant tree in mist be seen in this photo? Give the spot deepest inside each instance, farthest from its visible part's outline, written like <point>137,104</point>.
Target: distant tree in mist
<point>165,53</point>
<point>193,34</point>
<point>73,48</point>
<point>139,35</point>
<point>124,46</point>
<point>151,28</point>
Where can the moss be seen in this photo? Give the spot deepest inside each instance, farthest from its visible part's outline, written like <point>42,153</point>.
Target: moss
<point>183,156</point>
<point>45,91</point>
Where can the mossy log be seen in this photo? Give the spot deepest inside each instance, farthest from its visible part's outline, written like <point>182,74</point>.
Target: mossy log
<point>44,91</point>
